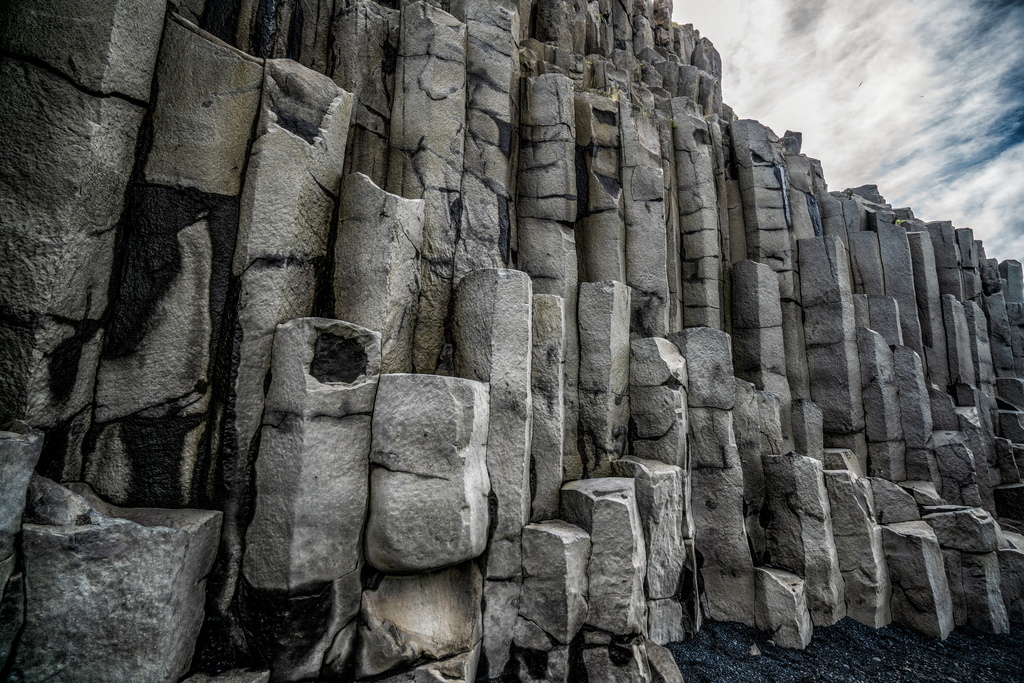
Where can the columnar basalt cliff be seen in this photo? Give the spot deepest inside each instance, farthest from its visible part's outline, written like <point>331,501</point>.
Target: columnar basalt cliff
<point>466,340</point>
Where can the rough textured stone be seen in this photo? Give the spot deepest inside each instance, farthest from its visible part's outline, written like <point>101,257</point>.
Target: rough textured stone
<point>428,123</point>
<point>758,342</point>
<point>717,491</point>
<point>782,608</point>
<point>63,180</point>
<point>920,591</point>
<point>698,218</point>
<point>897,265</point>
<point>958,342</point>
<point>808,435</point>
<point>616,663</point>
<point>859,548</point>
<point>956,465</point>
<point>975,586</point>
<point>747,427</point>
<point>407,619</point>
<point>657,401</point>
<point>428,480</point>
<point>485,233</point>
<point>890,503</point>
<point>204,90</point>
<point>365,41</point>
<point>19,453</point>
<point>547,385</point>
<point>604,374</point>
<point>378,287</point>
<point>600,222</point>
<point>311,494</point>
<point>929,306</point>
<point>555,558</point>
<point>1011,570</point>
<point>842,459</point>
<point>709,366</point>
<point>493,344</point>
<point>661,501</point>
<point>831,336</point>
<point>643,192</point>
<point>154,560</point>
<point>607,509</point>
<point>969,530</point>
<point>800,535</point>
<point>105,47</point>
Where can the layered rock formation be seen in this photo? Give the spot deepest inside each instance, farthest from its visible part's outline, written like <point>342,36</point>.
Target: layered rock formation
<point>466,340</point>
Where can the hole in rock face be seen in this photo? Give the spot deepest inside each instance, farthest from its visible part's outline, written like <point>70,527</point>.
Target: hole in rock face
<point>338,359</point>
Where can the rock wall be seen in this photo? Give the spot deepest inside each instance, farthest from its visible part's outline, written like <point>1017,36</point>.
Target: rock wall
<point>466,340</point>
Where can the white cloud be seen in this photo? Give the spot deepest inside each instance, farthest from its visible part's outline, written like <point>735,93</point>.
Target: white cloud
<point>914,97</point>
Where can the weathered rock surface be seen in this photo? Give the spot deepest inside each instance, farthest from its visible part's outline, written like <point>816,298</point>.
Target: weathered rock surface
<point>547,211</point>
<point>407,619</point>
<point>858,541</point>
<point>428,478</point>
<point>374,287</point>
<point>604,374</point>
<point>799,537</point>
<point>555,590</point>
<point>920,591</point>
<point>782,608</point>
<point>154,560</point>
<point>607,509</point>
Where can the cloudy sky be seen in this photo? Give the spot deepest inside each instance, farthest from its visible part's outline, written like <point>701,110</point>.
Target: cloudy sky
<point>924,98</point>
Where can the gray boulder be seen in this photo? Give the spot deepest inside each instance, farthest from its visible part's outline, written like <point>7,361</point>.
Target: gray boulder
<point>781,608</point>
<point>154,560</point>
<point>428,479</point>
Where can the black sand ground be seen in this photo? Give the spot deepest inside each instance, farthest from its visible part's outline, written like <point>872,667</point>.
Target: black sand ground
<point>849,651</point>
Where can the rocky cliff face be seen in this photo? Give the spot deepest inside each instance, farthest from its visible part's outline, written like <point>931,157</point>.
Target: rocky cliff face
<point>466,340</point>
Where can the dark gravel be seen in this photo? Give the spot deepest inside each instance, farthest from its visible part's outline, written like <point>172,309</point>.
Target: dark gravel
<point>850,651</point>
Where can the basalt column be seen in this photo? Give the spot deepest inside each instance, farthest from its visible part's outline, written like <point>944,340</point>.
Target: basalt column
<point>428,125</point>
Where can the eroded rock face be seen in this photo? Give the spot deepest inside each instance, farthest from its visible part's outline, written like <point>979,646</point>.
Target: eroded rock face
<point>303,553</point>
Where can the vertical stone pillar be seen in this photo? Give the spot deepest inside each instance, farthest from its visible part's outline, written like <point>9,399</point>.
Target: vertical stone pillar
<point>600,224</point>
<point>643,184</point>
<point>303,550</point>
<point>155,382</point>
<point>545,212</point>
<point>76,84</point>
<point>486,238</point>
<point>493,343</point>
<point>547,384</point>
<point>428,127</point>
<point>947,258</point>
<point>717,475</point>
<point>700,236</point>
<point>799,537</point>
<point>604,375</point>
<point>758,341</point>
<point>764,189</point>
<point>365,40</point>
<point>377,266</point>
<point>832,354</point>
